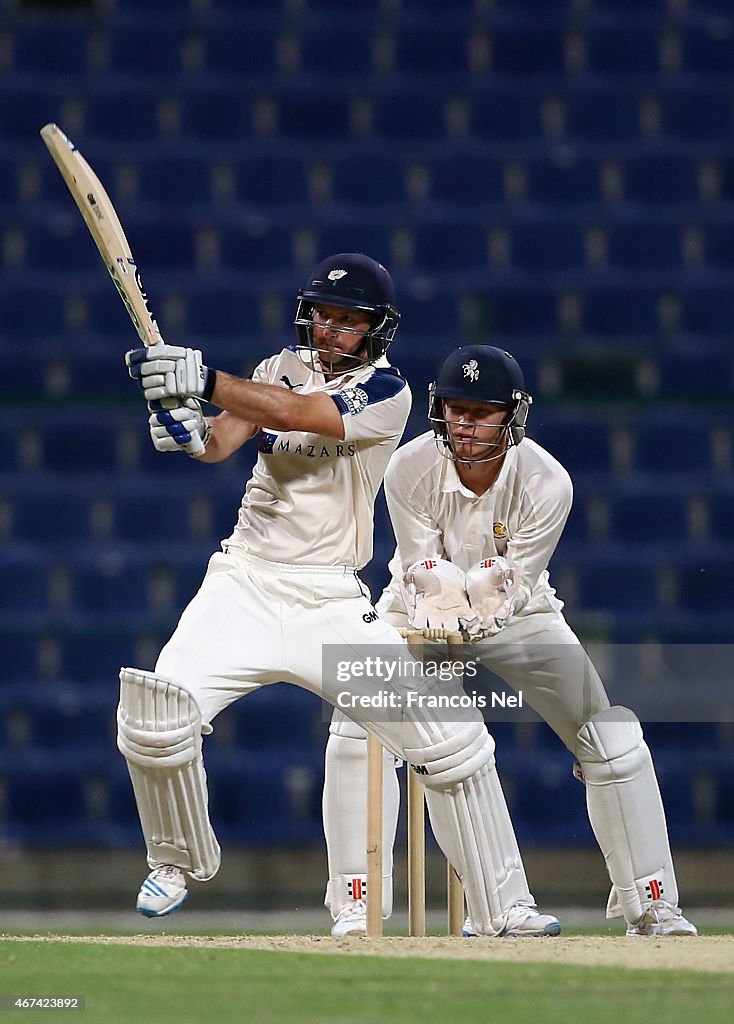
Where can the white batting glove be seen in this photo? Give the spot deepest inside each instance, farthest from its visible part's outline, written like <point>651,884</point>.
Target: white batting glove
<point>492,587</point>
<point>181,428</point>
<point>168,371</point>
<point>437,599</point>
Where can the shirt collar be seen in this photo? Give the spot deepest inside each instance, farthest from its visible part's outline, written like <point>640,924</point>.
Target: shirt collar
<point>449,480</point>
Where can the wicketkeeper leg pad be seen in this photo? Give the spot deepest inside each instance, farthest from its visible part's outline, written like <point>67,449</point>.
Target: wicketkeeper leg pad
<point>626,812</point>
<point>345,817</point>
<point>472,824</point>
<point>159,734</point>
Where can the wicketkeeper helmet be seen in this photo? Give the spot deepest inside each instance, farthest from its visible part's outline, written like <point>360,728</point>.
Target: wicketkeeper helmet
<point>480,373</point>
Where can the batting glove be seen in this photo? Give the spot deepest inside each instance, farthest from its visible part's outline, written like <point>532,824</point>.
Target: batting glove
<point>182,428</point>
<point>437,599</point>
<point>168,371</point>
<point>492,586</point>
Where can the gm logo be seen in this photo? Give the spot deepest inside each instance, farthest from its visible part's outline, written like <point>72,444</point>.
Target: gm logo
<point>370,616</point>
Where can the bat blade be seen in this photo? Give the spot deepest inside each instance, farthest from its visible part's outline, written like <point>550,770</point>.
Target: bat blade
<point>105,228</point>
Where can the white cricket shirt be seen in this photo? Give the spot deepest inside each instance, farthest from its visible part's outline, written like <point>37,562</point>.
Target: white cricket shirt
<point>521,517</point>
<point>310,499</point>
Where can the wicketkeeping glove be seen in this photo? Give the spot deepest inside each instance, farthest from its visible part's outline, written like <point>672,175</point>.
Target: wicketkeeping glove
<point>168,371</point>
<point>437,598</point>
<point>181,428</point>
<point>492,587</point>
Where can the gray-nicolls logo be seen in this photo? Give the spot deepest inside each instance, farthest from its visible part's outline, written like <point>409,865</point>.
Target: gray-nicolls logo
<point>471,369</point>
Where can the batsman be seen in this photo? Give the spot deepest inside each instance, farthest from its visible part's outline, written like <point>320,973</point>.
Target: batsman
<point>478,509</point>
<point>329,412</point>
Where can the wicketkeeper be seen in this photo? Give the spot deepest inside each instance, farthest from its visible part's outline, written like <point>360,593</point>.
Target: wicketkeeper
<point>478,509</point>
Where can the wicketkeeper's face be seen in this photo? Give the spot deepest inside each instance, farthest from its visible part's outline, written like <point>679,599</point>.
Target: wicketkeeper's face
<point>476,429</point>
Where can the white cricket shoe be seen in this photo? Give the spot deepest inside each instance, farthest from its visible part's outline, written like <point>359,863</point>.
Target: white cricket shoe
<point>522,922</point>
<point>351,919</point>
<point>662,918</point>
<point>162,892</point>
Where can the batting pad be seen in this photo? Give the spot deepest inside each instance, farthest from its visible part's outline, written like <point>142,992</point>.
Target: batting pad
<point>472,825</point>
<point>626,812</point>
<point>159,734</point>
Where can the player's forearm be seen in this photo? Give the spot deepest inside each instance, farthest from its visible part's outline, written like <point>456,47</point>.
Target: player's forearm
<point>228,433</point>
<point>275,407</point>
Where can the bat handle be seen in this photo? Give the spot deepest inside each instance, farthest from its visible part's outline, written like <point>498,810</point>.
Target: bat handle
<point>196,446</point>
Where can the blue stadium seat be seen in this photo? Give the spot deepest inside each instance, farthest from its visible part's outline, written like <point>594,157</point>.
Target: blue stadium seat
<point>23,587</point>
<point>565,180</point>
<point>580,443</point>
<point>708,48</point>
<point>51,46</point>
<point>623,310</point>
<point>249,246</point>
<point>660,180</point>
<point>119,113</point>
<point>175,181</point>
<point>263,719</point>
<point>61,246</point>
<point>150,49</point>
<point>31,313</point>
<point>616,584</point>
<point>679,443</point>
<point>49,515</point>
<point>696,112</point>
<point>466,180</point>
<point>648,517</point>
<point>623,50</point>
<point>313,115</point>
<point>246,50</point>
<point>644,245</point>
<point>216,115</point>
<point>719,243</point>
<point>358,236</point>
<point>516,312</point>
<point>536,51</point>
<point>721,516</point>
<point>400,115</point>
<point>367,179</point>
<point>68,718</point>
<point>602,114</point>
<point>165,243</point>
<point>342,46</point>
<point>695,376</point>
<point>111,585</point>
<point>707,310</point>
<point>44,798</point>
<point>547,246</point>
<point>24,111</point>
<point>451,246</point>
<point>421,49</point>
<point>96,656</point>
<point>505,114</point>
<point>271,179</point>
<point>703,584</point>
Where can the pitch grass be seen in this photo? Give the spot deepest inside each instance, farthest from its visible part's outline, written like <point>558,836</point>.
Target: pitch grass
<point>160,985</point>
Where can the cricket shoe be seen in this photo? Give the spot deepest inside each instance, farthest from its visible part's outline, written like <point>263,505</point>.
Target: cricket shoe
<point>521,922</point>
<point>162,892</point>
<point>351,919</point>
<point>662,918</point>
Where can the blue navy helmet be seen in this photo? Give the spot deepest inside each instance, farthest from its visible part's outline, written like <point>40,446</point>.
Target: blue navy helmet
<point>355,281</point>
<point>481,373</point>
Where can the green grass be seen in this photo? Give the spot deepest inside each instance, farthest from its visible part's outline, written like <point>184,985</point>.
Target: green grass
<point>154,985</point>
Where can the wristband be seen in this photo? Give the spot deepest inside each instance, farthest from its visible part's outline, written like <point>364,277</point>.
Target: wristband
<point>209,384</point>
